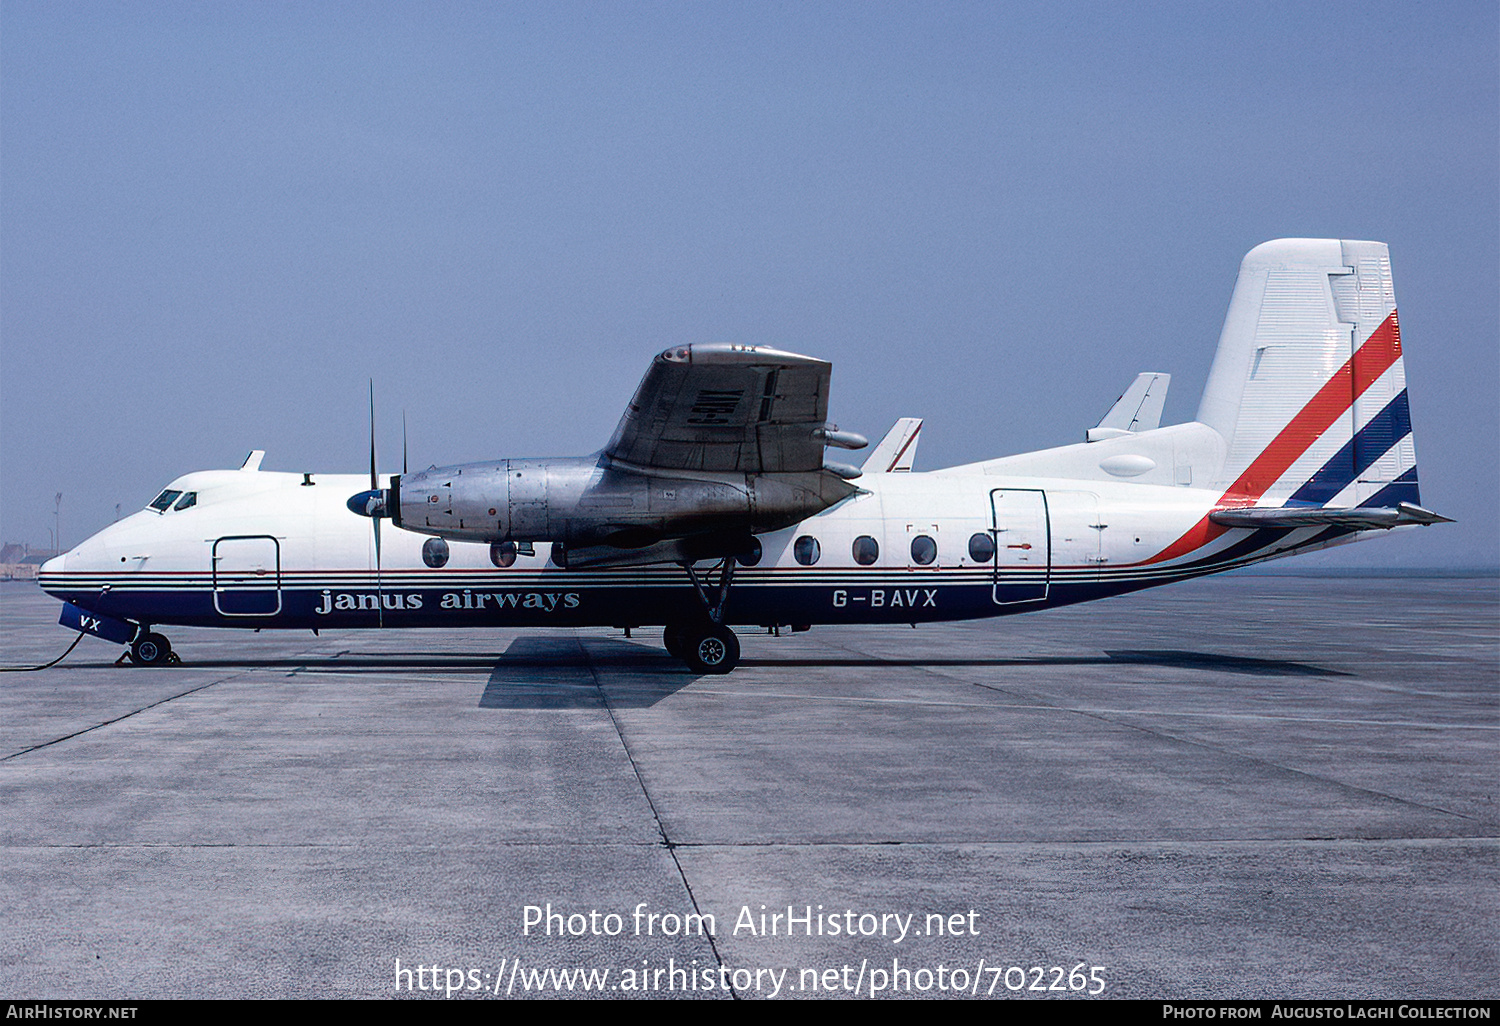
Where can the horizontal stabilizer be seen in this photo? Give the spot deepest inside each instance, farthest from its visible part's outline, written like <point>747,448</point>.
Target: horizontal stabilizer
<point>1360,518</point>
<point>897,451</point>
<point>1139,409</point>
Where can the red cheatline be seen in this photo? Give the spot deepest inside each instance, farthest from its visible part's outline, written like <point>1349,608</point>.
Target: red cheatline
<point>1333,400</point>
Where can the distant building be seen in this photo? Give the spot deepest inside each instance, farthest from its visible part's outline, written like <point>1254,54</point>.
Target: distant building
<point>19,561</point>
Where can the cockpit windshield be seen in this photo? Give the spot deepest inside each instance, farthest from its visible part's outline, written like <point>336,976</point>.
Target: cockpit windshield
<point>164,501</point>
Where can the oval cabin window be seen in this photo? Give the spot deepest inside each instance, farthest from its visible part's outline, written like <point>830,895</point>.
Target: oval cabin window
<point>981,548</point>
<point>435,552</point>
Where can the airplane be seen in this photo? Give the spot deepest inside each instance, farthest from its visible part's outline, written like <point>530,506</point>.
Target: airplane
<point>715,503</point>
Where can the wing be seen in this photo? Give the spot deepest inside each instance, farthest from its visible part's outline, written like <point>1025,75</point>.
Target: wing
<point>727,408</point>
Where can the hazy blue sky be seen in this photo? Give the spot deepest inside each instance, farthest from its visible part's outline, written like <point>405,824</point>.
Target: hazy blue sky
<point>218,221</point>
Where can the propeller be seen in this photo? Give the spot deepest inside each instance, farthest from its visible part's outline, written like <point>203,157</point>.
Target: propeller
<point>372,504</point>
<point>375,520</point>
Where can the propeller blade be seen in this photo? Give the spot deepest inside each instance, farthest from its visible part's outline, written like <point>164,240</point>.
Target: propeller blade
<point>403,443</point>
<point>374,481</point>
<point>379,588</point>
<point>375,519</point>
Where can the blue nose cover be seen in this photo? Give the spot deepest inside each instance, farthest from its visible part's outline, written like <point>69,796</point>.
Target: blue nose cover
<point>106,627</point>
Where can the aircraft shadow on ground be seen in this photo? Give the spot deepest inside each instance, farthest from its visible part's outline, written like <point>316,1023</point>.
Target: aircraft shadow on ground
<point>560,672</point>
<point>557,673</point>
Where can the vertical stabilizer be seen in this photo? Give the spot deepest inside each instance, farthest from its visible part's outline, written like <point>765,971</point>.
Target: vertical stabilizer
<point>1307,387</point>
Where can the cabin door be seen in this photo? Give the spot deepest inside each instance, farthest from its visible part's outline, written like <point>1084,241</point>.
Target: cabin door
<point>1023,545</point>
<point>247,575</point>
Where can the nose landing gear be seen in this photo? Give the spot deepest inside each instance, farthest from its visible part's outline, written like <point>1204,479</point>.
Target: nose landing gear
<point>151,649</point>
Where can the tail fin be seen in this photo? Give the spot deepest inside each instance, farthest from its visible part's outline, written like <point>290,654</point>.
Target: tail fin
<point>1138,409</point>
<point>897,450</point>
<point>1308,388</point>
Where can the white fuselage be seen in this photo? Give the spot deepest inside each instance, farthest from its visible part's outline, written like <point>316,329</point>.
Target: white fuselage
<point>265,549</point>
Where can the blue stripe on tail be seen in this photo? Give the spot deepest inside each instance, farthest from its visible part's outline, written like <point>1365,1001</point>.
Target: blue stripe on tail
<point>1370,443</point>
<point>1403,489</point>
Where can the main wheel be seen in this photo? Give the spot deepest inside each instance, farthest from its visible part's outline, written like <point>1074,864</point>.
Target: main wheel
<point>150,650</point>
<point>711,648</point>
<point>672,638</point>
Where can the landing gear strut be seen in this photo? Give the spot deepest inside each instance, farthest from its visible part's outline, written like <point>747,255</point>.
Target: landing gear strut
<point>150,649</point>
<point>706,645</point>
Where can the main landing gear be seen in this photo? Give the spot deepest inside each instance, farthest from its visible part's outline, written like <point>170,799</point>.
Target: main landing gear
<point>151,649</point>
<point>706,647</point>
<point>705,644</point>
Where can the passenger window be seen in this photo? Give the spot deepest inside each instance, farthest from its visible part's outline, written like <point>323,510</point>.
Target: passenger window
<point>188,500</point>
<point>866,550</point>
<point>923,550</point>
<point>503,554</point>
<point>164,500</point>
<point>981,548</point>
<point>806,550</point>
<point>435,552</point>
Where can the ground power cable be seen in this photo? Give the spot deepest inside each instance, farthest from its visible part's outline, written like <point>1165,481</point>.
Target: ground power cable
<point>28,669</point>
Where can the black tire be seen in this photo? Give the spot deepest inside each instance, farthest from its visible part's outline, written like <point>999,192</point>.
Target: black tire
<point>150,650</point>
<point>711,648</point>
<point>672,638</point>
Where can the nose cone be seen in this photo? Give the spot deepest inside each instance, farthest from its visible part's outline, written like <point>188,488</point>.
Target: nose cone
<point>368,504</point>
<point>51,576</point>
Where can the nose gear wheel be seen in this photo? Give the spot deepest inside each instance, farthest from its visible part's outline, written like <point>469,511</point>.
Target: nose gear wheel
<point>151,649</point>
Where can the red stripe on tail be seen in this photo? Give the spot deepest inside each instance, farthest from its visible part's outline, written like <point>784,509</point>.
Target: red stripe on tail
<point>1332,401</point>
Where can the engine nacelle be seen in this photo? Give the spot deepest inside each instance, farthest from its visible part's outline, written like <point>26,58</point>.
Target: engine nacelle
<point>590,502</point>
